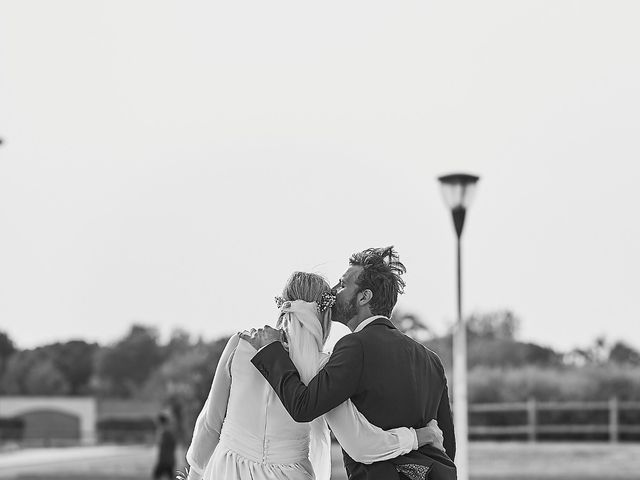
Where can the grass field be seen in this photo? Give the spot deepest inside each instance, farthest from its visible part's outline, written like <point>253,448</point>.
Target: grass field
<point>488,461</point>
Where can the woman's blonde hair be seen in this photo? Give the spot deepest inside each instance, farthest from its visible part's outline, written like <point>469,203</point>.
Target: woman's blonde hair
<point>309,287</point>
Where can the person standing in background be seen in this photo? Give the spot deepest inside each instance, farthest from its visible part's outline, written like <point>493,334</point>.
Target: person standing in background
<point>166,441</point>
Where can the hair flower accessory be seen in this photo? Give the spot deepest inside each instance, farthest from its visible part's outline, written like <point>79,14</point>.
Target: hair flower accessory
<point>327,300</point>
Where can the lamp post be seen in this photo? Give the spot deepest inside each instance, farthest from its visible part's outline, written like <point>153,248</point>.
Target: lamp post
<point>458,190</point>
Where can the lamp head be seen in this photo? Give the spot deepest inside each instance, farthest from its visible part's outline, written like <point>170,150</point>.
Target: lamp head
<point>458,189</point>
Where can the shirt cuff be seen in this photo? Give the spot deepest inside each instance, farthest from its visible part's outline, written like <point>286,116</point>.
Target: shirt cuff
<point>415,438</point>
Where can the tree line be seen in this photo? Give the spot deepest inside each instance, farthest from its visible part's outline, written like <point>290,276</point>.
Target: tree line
<point>180,370</point>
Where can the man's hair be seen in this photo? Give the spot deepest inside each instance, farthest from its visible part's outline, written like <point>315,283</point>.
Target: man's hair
<point>381,274</point>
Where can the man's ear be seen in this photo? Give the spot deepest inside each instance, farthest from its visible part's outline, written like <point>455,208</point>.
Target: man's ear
<point>365,297</point>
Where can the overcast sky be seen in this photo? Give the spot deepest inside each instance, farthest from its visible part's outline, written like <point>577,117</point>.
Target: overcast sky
<point>171,163</point>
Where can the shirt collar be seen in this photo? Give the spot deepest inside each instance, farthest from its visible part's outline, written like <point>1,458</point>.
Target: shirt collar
<point>366,322</point>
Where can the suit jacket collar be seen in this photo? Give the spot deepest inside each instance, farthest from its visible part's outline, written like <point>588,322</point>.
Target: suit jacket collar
<point>376,321</point>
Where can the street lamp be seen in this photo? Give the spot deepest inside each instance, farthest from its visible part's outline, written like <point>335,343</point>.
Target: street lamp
<point>458,190</point>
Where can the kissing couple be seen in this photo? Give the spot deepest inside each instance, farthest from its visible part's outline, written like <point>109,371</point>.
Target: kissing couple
<point>276,394</point>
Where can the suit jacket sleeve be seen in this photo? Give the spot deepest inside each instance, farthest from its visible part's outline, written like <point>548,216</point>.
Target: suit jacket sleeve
<point>445,422</point>
<point>335,382</point>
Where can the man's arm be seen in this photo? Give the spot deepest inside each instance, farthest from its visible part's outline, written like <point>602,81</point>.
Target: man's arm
<point>335,383</point>
<point>445,422</point>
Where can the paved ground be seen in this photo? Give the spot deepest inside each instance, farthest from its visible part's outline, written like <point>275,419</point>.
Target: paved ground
<point>113,461</point>
<point>567,461</point>
<point>489,461</point>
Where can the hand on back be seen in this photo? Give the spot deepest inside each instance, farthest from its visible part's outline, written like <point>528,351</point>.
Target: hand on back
<point>431,435</point>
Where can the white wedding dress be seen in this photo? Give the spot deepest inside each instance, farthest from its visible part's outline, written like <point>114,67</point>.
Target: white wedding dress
<point>243,431</point>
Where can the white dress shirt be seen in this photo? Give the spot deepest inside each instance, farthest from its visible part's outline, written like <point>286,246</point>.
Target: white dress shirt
<point>366,322</point>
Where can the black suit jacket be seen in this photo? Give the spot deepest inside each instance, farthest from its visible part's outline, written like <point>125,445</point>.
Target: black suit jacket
<point>391,379</point>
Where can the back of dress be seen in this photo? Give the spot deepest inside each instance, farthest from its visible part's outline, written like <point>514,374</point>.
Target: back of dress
<point>257,426</point>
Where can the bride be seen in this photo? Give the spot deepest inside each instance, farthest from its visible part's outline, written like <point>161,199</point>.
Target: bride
<point>244,432</point>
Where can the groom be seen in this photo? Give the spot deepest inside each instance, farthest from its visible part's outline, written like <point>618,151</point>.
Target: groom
<point>393,380</point>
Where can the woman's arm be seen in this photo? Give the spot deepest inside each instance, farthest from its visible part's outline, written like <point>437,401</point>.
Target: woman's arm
<point>206,433</point>
<point>365,442</point>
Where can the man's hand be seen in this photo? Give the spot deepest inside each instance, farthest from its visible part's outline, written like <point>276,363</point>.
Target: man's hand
<point>263,336</point>
<point>431,435</point>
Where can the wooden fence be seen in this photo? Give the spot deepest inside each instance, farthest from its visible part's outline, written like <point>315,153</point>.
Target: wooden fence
<point>533,428</point>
